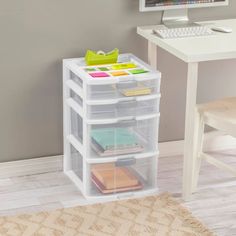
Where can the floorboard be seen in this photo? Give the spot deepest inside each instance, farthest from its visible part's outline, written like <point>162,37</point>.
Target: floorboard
<point>214,203</point>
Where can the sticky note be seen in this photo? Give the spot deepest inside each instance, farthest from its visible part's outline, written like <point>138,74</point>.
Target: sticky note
<point>99,74</point>
<point>123,66</point>
<point>138,71</point>
<point>137,91</point>
<point>90,69</point>
<point>119,73</point>
<point>103,69</point>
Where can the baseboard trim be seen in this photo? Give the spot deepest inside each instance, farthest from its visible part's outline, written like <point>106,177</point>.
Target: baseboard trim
<point>31,166</point>
<point>213,142</point>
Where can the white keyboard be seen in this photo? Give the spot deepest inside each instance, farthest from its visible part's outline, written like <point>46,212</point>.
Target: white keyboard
<point>173,33</point>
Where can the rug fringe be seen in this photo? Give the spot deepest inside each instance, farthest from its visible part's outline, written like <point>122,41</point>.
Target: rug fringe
<point>187,215</point>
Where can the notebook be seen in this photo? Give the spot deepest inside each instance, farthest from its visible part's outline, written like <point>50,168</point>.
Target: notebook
<point>116,151</point>
<point>113,138</point>
<point>103,190</point>
<point>114,177</point>
<point>109,178</point>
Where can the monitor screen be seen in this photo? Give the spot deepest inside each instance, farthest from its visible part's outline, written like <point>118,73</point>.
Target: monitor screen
<point>172,4</point>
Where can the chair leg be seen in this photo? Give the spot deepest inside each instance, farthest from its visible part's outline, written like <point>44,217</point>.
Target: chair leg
<point>199,138</point>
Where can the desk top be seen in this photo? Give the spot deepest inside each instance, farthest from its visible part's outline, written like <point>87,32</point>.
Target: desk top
<point>197,49</point>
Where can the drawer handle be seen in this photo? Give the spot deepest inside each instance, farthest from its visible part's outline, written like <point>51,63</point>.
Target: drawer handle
<point>128,101</point>
<point>128,120</point>
<point>126,80</point>
<point>125,162</point>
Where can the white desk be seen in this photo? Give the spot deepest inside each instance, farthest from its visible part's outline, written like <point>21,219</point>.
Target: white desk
<point>192,51</point>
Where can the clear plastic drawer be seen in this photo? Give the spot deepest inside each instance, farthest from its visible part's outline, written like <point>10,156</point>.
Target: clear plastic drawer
<point>124,175</point>
<point>130,108</point>
<point>123,138</point>
<point>124,88</point>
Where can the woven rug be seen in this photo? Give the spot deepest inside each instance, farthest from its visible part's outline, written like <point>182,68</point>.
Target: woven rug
<point>150,216</point>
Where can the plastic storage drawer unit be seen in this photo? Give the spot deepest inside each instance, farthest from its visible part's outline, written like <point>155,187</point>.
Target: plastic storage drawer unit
<point>111,121</point>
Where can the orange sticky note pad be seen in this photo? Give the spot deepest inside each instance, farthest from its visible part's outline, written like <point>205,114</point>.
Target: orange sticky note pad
<point>119,73</point>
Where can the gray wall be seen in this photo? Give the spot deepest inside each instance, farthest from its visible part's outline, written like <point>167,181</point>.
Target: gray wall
<point>37,35</point>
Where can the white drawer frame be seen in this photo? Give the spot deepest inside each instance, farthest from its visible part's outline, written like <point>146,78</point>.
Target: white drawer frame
<point>76,66</point>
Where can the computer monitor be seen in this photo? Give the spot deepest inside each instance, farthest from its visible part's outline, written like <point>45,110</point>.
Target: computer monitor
<point>175,11</point>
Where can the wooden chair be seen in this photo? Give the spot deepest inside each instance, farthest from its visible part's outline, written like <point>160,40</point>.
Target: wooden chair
<point>220,115</point>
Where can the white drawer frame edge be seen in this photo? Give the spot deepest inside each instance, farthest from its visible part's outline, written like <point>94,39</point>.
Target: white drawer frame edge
<point>71,65</point>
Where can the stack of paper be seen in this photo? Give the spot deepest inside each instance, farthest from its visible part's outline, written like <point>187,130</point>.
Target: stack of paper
<point>136,91</point>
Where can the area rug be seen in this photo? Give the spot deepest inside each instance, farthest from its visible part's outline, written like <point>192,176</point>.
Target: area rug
<point>150,216</point>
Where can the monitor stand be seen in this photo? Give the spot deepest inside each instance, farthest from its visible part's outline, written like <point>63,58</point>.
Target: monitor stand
<point>177,19</point>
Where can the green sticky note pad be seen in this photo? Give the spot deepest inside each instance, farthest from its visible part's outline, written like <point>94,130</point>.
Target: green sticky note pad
<point>90,69</point>
<point>123,66</point>
<point>103,69</point>
<point>138,71</point>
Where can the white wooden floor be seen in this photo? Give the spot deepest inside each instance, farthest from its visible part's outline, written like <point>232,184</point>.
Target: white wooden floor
<point>214,203</point>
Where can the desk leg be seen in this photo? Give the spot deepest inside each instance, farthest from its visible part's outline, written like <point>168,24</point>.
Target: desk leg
<point>191,98</point>
<point>152,55</point>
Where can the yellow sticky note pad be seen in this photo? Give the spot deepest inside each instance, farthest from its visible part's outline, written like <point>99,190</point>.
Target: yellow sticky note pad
<point>119,73</point>
<point>137,91</point>
<point>123,66</point>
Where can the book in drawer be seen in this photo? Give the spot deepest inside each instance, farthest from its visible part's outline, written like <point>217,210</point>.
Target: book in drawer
<point>127,174</point>
<point>121,138</point>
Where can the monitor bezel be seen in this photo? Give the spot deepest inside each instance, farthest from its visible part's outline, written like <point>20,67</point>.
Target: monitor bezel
<point>143,8</point>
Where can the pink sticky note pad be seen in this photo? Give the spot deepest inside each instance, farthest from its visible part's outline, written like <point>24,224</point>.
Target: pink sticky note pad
<point>98,74</point>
